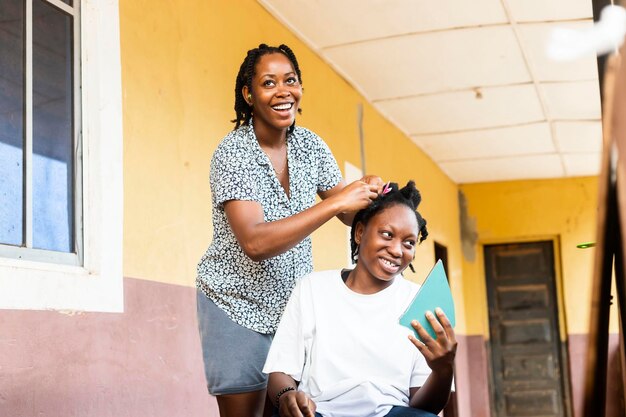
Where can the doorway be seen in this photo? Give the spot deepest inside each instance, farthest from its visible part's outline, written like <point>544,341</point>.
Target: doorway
<point>528,361</point>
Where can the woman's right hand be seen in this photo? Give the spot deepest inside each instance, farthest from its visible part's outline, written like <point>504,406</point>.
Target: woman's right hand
<point>374,180</point>
<point>356,196</point>
<point>296,404</point>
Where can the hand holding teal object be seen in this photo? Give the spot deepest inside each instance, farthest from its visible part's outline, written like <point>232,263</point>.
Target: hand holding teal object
<point>434,292</point>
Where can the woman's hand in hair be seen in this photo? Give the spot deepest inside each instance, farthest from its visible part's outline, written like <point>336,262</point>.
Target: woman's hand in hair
<point>348,199</point>
<point>296,404</point>
<point>440,352</point>
<point>374,180</point>
<point>356,196</point>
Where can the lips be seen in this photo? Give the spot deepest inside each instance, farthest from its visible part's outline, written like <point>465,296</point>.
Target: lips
<point>389,266</point>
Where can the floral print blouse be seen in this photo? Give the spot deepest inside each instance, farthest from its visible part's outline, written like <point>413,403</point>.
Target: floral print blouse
<point>254,294</point>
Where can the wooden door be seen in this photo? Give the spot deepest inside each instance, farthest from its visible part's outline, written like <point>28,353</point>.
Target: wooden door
<point>526,356</point>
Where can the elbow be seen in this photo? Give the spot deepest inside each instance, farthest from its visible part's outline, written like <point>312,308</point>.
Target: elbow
<point>254,250</point>
<point>346,218</point>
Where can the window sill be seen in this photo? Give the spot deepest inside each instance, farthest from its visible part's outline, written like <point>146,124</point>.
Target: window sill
<point>28,285</point>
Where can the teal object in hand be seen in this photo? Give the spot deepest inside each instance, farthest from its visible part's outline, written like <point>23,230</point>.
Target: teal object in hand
<point>434,292</point>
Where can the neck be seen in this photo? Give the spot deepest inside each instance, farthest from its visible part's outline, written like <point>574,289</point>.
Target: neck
<point>268,137</point>
<point>362,282</point>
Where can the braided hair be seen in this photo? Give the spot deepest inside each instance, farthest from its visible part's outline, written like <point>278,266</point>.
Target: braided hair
<point>243,110</point>
<point>407,195</point>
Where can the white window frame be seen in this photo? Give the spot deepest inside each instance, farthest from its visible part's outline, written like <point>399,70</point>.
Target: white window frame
<point>97,285</point>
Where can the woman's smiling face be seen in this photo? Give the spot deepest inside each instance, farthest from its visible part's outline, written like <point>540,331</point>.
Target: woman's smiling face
<point>276,92</point>
<point>387,242</point>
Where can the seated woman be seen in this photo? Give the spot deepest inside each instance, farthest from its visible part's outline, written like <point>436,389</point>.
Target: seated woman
<point>339,350</point>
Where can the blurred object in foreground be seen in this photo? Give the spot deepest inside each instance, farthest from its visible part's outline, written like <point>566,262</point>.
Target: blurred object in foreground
<point>606,35</point>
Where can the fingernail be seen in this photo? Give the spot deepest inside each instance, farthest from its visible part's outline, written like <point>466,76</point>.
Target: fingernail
<point>439,310</point>
<point>414,322</point>
<point>429,314</point>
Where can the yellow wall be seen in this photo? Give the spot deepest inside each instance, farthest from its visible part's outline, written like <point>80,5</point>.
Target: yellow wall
<point>564,210</point>
<point>179,62</point>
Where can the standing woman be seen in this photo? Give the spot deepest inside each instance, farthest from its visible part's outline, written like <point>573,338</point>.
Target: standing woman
<point>265,175</point>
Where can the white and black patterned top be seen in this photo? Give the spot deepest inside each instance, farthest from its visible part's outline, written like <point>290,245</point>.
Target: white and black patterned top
<point>254,294</point>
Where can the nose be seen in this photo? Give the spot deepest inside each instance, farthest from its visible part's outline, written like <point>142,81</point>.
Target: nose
<point>283,90</point>
<point>395,248</point>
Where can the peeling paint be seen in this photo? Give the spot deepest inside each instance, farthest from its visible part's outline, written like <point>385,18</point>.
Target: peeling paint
<point>70,313</point>
<point>469,234</point>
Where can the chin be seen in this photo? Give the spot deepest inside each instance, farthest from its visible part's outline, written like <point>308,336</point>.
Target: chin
<point>283,125</point>
<point>387,277</point>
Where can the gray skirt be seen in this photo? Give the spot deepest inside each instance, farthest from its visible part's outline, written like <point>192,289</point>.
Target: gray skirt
<point>233,355</point>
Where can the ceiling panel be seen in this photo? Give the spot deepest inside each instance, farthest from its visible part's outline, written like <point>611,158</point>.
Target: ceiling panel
<point>520,140</point>
<point>462,110</point>
<point>573,100</point>
<point>535,37</point>
<point>330,22</point>
<point>575,137</point>
<point>501,169</point>
<point>432,62</point>
<point>468,81</point>
<point>582,164</point>
<point>542,10</point>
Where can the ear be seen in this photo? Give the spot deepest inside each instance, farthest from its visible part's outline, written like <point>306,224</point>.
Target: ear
<point>358,232</point>
<point>245,92</point>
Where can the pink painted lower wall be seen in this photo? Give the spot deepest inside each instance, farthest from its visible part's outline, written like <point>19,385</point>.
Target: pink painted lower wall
<point>614,382</point>
<point>144,362</point>
<point>472,377</point>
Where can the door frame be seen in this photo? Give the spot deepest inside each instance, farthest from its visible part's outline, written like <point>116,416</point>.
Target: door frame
<point>561,316</point>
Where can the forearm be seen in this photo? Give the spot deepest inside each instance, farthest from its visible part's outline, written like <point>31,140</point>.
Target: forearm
<point>268,239</point>
<point>347,218</point>
<point>277,382</point>
<point>434,394</point>
<point>261,240</point>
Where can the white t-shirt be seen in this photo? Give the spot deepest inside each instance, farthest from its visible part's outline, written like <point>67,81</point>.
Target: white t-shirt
<point>347,349</point>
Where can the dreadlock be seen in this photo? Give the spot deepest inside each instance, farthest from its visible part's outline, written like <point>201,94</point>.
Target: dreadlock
<point>243,110</point>
<point>408,196</point>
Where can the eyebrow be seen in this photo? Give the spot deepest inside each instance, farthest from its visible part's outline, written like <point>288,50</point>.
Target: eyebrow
<point>395,231</point>
<point>269,74</point>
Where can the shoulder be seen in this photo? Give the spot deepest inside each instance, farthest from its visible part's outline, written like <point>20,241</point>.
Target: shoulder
<point>234,140</point>
<point>307,138</point>
<point>320,280</point>
<point>322,275</point>
<point>233,147</point>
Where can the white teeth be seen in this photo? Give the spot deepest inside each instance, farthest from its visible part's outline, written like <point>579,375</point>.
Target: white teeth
<point>386,262</point>
<point>285,106</point>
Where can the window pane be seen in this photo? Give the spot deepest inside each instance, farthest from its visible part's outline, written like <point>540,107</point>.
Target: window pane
<point>11,120</point>
<point>53,172</point>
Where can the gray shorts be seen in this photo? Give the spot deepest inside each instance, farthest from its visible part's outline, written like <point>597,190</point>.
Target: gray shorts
<point>233,355</point>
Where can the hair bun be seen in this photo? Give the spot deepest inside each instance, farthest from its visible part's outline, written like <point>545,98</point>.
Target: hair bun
<point>411,193</point>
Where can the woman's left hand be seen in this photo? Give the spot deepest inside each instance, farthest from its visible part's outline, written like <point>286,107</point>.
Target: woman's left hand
<point>440,352</point>
<point>374,180</point>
